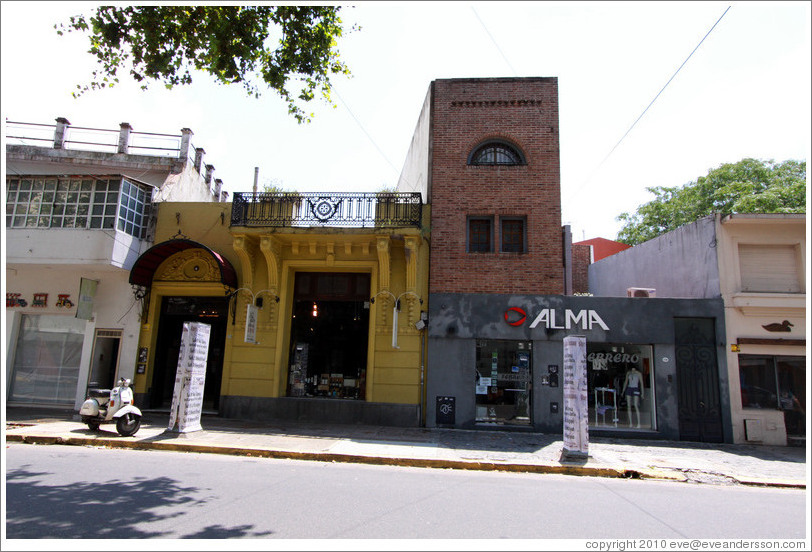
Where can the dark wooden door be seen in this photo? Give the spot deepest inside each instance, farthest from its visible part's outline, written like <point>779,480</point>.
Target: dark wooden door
<point>700,412</point>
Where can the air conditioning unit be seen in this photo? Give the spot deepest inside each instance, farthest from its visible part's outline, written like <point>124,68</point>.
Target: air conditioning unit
<point>641,292</point>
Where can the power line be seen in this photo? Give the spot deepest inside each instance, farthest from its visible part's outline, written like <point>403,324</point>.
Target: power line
<point>364,130</point>
<point>654,100</point>
<point>494,42</point>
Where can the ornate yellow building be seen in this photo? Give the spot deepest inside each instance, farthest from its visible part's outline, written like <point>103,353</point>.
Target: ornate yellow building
<point>331,288</point>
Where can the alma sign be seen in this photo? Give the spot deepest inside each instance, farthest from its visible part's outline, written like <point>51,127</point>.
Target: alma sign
<point>584,319</point>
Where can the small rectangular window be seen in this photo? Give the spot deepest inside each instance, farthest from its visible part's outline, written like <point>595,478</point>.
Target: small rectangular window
<point>480,235</point>
<point>513,236</point>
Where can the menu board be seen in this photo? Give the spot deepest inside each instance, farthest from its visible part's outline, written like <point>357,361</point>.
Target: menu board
<point>190,378</point>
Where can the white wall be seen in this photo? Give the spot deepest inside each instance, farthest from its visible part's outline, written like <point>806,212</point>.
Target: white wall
<point>414,175</point>
<point>74,246</point>
<point>114,308</point>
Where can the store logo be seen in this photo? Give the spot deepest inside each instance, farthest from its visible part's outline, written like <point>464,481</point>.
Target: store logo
<point>511,316</point>
<point>585,319</point>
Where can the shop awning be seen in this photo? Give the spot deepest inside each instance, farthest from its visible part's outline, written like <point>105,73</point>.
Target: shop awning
<point>144,268</point>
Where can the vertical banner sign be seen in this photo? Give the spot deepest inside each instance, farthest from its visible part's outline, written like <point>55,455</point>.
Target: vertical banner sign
<point>190,378</point>
<point>251,324</point>
<point>87,293</point>
<point>576,415</point>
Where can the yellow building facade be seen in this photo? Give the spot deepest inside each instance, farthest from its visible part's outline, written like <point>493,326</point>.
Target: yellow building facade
<point>309,320</point>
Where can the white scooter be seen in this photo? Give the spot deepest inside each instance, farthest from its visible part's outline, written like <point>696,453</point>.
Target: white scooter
<point>107,405</point>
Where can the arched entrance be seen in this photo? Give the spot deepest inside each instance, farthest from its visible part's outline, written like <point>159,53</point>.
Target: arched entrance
<point>184,281</point>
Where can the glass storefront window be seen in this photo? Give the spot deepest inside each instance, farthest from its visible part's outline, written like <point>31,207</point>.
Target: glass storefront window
<point>620,384</point>
<point>46,360</point>
<point>503,381</point>
<point>775,382</point>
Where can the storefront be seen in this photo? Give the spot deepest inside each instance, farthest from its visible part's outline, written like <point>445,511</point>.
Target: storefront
<point>655,367</point>
<point>68,334</point>
<point>307,324</point>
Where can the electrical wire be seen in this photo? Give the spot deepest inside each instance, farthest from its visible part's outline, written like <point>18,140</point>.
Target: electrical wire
<point>494,42</point>
<point>652,102</point>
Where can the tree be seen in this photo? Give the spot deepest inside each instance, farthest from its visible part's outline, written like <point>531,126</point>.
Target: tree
<point>749,186</point>
<point>252,45</point>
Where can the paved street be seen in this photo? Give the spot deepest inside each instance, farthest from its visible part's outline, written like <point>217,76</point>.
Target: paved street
<point>71,492</point>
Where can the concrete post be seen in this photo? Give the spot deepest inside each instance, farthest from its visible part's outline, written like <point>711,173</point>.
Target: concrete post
<point>209,172</point>
<point>199,152</point>
<point>185,141</point>
<point>59,133</point>
<point>124,137</point>
<point>218,187</point>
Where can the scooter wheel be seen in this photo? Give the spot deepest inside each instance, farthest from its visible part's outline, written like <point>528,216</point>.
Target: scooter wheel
<point>128,424</point>
<point>94,426</point>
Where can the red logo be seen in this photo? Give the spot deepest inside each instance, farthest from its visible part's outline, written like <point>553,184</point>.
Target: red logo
<point>520,320</point>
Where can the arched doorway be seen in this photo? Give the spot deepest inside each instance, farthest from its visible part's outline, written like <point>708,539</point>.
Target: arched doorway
<point>181,277</point>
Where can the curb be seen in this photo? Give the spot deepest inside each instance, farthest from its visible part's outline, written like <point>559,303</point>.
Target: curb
<point>335,457</point>
<point>594,471</point>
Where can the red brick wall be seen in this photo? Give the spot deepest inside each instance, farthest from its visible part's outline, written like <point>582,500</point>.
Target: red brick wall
<point>580,268</point>
<point>465,113</point>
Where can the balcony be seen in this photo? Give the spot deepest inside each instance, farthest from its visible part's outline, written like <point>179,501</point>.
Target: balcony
<point>315,209</point>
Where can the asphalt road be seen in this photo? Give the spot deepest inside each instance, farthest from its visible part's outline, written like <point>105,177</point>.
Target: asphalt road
<point>82,492</point>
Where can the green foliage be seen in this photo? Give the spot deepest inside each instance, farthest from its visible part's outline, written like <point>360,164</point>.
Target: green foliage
<point>749,186</point>
<point>255,46</point>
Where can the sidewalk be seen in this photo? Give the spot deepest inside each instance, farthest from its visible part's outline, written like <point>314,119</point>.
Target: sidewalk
<point>433,448</point>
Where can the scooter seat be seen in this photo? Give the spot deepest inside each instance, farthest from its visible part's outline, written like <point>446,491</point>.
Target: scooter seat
<point>98,393</point>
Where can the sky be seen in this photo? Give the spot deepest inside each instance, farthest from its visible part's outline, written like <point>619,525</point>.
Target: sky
<point>744,92</point>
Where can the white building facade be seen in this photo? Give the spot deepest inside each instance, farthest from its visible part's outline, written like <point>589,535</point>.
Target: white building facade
<point>79,212</point>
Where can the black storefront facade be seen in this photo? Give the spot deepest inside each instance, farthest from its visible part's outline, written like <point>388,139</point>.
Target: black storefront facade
<point>655,367</point>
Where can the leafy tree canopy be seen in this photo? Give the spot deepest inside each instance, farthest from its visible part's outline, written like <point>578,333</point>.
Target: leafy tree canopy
<point>255,46</point>
<point>749,186</point>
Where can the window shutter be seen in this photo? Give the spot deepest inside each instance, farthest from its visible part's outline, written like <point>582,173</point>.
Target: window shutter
<point>769,268</point>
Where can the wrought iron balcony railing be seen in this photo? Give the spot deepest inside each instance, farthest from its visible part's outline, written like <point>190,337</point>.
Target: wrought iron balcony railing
<point>350,210</point>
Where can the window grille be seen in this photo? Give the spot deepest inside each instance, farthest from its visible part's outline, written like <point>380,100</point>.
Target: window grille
<point>496,153</point>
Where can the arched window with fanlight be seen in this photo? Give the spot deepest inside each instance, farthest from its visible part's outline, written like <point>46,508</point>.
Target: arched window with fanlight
<point>496,152</point>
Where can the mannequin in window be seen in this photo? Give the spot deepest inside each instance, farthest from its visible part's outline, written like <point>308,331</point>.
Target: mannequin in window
<point>634,391</point>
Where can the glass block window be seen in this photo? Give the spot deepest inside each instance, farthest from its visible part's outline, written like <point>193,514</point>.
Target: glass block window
<point>496,153</point>
<point>80,202</point>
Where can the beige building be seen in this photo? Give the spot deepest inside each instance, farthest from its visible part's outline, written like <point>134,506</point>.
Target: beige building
<point>762,260</point>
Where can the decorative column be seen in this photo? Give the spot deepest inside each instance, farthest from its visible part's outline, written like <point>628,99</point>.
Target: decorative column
<point>411,249</point>
<point>241,246</point>
<point>272,251</point>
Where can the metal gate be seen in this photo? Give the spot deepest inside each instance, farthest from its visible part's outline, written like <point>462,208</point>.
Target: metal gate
<point>700,413</point>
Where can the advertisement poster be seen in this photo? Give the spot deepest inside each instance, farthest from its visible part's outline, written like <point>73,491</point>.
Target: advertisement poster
<point>576,414</point>
<point>190,378</point>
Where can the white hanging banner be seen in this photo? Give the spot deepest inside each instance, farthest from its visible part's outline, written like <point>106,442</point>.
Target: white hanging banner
<point>87,294</point>
<point>190,378</point>
<point>576,413</point>
<point>251,324</point>
<point>395,327</point>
